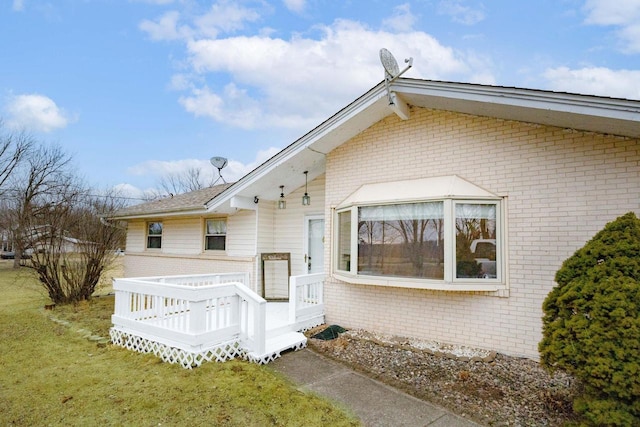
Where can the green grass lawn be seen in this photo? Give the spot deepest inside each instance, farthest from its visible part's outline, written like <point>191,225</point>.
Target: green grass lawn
<point>51,375</point>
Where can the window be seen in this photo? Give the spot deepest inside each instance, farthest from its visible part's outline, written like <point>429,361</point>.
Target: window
<point>215,234</point>
<point>344,241</point>
<point>154,235</point>
<point>445,242</point>
<point>403,240</point>
<point>475,241</point>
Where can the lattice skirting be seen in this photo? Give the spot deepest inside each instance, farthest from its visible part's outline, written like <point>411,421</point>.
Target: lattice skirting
<point>270,357</point>
<point>187,359</point>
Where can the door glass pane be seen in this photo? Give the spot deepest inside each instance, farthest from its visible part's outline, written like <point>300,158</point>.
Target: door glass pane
<point>315,245</point>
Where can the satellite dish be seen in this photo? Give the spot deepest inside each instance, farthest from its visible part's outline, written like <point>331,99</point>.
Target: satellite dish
<point>389,63</point>
<point>219,163</point>
<point>391,70</point>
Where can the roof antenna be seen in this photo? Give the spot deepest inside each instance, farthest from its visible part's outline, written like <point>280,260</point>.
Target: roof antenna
<point>391,69</point>
<point>219,163</point>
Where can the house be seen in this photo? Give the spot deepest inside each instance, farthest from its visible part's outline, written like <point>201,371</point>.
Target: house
<point>437,210</point>
<point>39,239</point>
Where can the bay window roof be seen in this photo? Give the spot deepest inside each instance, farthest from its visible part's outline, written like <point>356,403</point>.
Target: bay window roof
<point>451,186</point>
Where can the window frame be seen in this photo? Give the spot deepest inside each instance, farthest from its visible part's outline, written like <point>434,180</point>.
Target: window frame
<point>150,235</point>
<point>450,281</point>
<point>207,235</point>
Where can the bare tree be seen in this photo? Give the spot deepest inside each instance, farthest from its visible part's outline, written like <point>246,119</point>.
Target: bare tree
<point>36,183</point>
<point>182,182</point>
<point>76,245</point>
<point>13,148</point>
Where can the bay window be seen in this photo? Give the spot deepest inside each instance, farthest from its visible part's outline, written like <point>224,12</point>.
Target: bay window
<point>449,242</point>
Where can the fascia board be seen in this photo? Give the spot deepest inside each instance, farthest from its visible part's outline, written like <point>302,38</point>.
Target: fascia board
<point>165,214</point>
<point>581,112</point>
<point>547,100</point>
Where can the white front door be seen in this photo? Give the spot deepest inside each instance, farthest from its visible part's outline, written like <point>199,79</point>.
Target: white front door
<point>314,243</point>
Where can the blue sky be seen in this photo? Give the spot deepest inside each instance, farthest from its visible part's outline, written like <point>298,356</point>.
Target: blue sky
<point>136,89</point>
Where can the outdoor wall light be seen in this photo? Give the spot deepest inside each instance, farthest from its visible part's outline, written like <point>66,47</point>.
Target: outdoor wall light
<point>306,199</point>
<point>282,203</point>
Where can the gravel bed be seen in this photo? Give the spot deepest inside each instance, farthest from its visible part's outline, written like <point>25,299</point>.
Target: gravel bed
<point>491,389</point>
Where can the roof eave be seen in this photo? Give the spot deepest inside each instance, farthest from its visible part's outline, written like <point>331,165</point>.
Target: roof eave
<point>591,113</point>
<point>160,214</point>
<point>328,132</point>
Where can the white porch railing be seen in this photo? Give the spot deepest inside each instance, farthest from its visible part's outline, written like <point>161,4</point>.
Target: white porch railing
<point>306,306</point>
<point>196,318</point>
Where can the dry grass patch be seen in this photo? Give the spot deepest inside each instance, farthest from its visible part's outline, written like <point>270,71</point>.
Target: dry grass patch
<point>51,375</point>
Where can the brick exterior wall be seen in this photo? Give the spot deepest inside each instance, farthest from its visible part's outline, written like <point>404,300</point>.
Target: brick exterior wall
<point>561,187</point>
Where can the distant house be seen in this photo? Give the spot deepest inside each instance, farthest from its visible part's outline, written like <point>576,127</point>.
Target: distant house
<point>41,237</point>
<point>437,211</point>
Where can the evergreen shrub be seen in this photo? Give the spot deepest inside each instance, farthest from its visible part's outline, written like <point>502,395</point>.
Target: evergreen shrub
<point>591,324</point>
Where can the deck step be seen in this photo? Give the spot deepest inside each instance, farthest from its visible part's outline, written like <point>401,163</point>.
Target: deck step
<point>276,345</point>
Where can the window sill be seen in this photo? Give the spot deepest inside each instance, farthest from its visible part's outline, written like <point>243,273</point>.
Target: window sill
<point>436,285</point>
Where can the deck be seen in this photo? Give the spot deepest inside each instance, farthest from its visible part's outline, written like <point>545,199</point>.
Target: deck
<point>212,317</point>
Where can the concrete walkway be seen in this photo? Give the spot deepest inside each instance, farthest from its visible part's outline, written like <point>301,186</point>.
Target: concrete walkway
<point>375,403</point>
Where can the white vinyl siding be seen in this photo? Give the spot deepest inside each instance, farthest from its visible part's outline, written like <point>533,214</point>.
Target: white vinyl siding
<point>182,236</point>
<point>136,232</point>
<point>241,234</point>
<point>289,223</point>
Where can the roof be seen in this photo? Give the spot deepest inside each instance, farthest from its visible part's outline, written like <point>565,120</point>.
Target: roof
<point>191,202</point>
<point>415,189</point>
<point>573,111</point>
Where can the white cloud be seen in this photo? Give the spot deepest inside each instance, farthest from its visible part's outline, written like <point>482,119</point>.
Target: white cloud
<point>222,17</point>
<point>157,169</point>
<point>402,19</point>
<point>158,2</point>
<point>607,12</point>
<point>596,81</point>
<point>18,5</point>
<point>203,102</point>
<point>260,80</point>
<point>36,112</point>
<point>296,83</point>
<point>624,14</point>
<point>630,36</point>
<point>166,27</point>
<point>459,12</point>
<point>295,5</point>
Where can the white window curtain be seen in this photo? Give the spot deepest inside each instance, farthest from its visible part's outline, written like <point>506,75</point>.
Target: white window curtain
<point>402,212</point>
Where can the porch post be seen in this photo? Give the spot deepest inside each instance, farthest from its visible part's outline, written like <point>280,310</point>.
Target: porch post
<point>293,299</point>
<point>259,327</point>
<point>198,317</point>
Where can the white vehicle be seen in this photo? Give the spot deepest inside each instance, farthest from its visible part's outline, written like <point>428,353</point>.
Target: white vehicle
<point>484,252</point>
